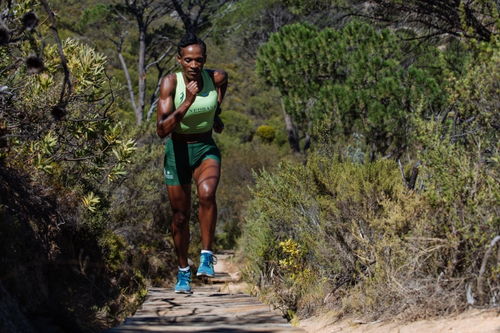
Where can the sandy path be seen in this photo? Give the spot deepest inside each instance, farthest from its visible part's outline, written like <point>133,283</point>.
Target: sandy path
<point>474,321</point>
<point>217,306</point>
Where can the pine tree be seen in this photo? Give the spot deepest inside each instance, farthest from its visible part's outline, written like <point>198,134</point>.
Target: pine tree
<point>356,81</point>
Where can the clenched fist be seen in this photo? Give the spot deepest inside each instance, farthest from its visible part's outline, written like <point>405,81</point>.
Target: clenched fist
<point>191,90</point>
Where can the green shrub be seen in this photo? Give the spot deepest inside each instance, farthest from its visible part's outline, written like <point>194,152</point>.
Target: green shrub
<point>266,133</point>
<point>66,154</point>
<point>240,164</point>
<point>382,248</point>
<point>474,98</point>
<point>377,246</point>
<point>238,125</point>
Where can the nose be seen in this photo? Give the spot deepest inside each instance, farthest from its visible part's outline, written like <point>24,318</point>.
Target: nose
<point>194,64</point>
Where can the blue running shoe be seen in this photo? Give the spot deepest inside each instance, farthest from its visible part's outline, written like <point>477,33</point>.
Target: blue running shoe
<point>182,286</point>
<point>206,268</point>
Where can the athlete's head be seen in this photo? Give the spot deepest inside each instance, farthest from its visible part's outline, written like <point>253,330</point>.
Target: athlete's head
<point>191,39</point>
<point>191,55</point>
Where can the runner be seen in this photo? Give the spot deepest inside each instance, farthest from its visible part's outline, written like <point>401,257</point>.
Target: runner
<point>188,110</point>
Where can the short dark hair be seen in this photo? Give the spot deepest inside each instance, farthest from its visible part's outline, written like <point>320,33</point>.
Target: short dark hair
<point>190,39</point>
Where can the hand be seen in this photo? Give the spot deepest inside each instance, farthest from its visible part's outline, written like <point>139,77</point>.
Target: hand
<point>191,90</point>
<point>218,125</point>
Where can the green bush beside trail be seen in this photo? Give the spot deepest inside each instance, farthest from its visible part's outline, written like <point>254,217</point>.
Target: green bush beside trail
<point>371,235</point>
<point>338,233</point>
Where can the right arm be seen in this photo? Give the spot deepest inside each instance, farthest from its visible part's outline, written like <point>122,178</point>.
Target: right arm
<point>167,117</point>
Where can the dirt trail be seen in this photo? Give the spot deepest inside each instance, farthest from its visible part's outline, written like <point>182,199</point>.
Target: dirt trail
<point>220,306</point>
<point>224,305</point>
<point>474,321</point>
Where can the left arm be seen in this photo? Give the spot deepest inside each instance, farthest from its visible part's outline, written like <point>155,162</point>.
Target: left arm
<point>220,80</point>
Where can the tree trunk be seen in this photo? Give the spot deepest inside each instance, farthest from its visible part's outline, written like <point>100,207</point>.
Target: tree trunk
<point>129,81</point>
<point>293,136</point>
<point>154,101</point>
<point>142,75</point>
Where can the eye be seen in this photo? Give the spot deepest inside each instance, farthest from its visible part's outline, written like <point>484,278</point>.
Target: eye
<point>187,59</point>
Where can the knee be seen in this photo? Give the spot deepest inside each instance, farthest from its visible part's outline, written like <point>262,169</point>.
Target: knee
<point>206,198</point>
<point>180,219</point>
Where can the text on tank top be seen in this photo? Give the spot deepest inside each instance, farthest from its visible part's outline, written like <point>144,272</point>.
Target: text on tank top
<point>200,116</point>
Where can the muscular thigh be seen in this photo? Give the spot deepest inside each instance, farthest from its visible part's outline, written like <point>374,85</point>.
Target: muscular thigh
<point>206,176</point>
<point>180,197</point>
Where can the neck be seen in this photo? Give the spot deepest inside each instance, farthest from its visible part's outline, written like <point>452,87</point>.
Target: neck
<point>197,79</point>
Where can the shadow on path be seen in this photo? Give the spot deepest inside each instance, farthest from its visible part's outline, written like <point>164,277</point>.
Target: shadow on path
<point>206,310</point>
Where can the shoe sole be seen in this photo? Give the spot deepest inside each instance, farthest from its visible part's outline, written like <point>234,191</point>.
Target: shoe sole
<point>205,274</point>
<point>183,292</point>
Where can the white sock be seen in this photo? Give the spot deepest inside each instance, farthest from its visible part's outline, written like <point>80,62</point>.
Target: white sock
<point>185,269</point>
<point>206,251</point>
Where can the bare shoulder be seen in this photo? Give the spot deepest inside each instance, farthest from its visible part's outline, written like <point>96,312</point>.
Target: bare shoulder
<point>168,83</point>
<point>169,79</point>
<point>220,77</point>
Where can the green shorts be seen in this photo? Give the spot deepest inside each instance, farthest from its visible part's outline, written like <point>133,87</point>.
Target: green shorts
<point>182,158</point>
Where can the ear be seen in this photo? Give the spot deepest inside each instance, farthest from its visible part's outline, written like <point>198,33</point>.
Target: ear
<point>178,58</point>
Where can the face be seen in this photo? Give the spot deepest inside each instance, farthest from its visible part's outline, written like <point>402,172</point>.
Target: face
<point>192,60</point>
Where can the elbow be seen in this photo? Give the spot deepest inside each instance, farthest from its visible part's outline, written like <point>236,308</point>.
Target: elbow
<point>161,133</point>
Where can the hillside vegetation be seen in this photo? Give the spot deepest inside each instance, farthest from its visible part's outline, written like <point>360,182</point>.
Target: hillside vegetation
<point>395,210</point>
<point>360,155</point>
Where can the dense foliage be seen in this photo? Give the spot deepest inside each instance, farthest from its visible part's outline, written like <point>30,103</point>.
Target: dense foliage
<point>63,159</point>
<point>351,236</point>
<point>360,157</point>
<point>354,82</point>
<point>377,238</point>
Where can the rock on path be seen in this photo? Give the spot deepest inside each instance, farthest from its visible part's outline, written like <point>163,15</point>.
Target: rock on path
<point>208,309</point>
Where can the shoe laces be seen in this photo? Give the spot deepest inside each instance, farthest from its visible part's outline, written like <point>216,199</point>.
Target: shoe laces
<point>212,259</point>
<point>184,276</point>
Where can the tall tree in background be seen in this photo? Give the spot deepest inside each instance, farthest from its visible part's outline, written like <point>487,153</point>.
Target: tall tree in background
<point>476,19</point>
<point>145,32</point>
<point>461,18</point>
<point>249,26</point>
<point>356,82</point>
<point>157,30</point>
<point>155,43</point>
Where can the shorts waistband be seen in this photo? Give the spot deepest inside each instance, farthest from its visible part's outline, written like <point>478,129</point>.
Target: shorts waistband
<point>192,138</point>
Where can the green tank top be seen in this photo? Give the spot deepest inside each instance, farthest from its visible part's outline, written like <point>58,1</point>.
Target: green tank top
<point>200,116</point>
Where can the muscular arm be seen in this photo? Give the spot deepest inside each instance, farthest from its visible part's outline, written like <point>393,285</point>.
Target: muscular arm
<point>220,80</point>
<point>167,117</point>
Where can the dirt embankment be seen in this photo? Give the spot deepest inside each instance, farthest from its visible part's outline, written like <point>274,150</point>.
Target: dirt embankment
<point>473,321</point>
